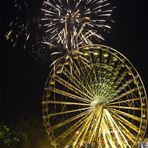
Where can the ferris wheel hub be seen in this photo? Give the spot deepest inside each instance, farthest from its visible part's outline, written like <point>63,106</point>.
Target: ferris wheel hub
<point>94,99</point>
<point>96,104</point>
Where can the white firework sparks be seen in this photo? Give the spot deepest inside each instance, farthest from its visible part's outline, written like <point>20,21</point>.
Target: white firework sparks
<point>71,23</point>
<point>61,25</point>
<point>24,29</point>
<point>19,29</point>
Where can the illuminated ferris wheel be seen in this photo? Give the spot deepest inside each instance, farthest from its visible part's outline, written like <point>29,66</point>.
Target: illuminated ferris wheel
<point>94,95</point>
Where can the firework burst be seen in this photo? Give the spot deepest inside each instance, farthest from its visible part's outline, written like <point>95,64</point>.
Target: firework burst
<point>21,25</point>
<point>71,23</point>
<point>48,25</point>
<point>24,29</point>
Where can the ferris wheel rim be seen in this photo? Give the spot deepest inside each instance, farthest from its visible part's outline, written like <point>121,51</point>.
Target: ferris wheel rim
<point>96,46</point>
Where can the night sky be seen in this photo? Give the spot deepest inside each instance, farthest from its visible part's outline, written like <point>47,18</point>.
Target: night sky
<point>22,78</point>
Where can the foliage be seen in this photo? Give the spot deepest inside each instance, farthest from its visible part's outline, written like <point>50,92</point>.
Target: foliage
<point>23,133</point>
<point>9,137</point>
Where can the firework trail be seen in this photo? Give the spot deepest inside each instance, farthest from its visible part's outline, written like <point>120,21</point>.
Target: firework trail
<point>72,23</point>
<point>24,29</point>
<point>21,25</point>
<point>57,26</point>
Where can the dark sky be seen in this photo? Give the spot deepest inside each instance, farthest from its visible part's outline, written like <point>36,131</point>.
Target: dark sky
<point>22,78</point>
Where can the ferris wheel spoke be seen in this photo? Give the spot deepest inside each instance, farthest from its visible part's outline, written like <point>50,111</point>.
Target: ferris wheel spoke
<point>124,85</point>
<point>68,120</point>
<point>94,70</point>
<point>85,72</point>
<point>96,127</point>
<point>87,77</point>
<point>71,87</point>
<point>64,93</point>
<point>97,96</point>
<point>87,128</point>
<point>125,122</point>
<point>116,130</point>
<point>84,128</point>
<point>76,72</point>
<point>73,128</point>
<point>95,79</point>
<point>126,93</point>
<point>64,103</point>
<point>126,100</point>
<point>136,118</point>
<point>69,111</point>
<point>106,76</point>
<point>76,82</point>
<point>105,139</point>
<point>92,126</point>
<point>105,128</point>
<point>125,107</point>
<point>127,133</point>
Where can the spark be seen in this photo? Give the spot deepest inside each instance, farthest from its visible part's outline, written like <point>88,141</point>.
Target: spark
<point>60,24</point>
<point>19,28</point>
<point>67,23</point>
<point>24,30</point>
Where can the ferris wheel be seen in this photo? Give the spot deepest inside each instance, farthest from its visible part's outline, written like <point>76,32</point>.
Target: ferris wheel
<point>94,95</point>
